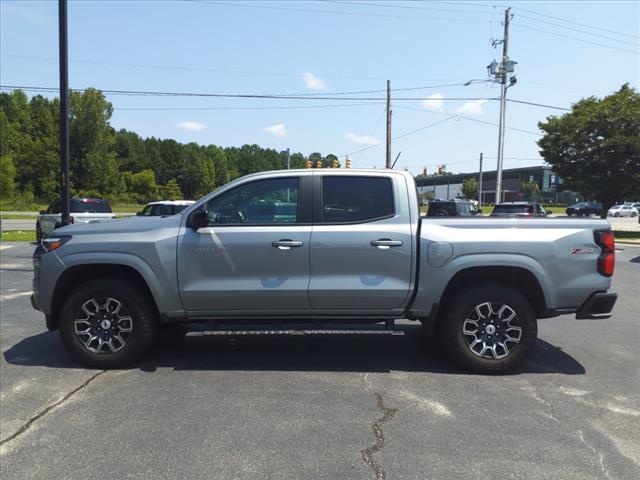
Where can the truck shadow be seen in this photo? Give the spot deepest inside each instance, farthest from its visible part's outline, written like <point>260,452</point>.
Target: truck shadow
<point>355,353</point>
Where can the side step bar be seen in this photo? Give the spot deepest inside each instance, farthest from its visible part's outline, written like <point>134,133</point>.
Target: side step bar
<point>208,333</point>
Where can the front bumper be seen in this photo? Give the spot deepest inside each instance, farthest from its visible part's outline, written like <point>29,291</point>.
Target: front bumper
<point>598,305</point>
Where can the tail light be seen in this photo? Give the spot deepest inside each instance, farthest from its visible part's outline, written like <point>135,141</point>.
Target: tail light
<point>607,258</point>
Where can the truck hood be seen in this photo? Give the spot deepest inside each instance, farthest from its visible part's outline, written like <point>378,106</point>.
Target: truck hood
<point>122,225</point>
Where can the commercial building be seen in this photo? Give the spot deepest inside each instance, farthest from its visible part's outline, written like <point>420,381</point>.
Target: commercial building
<point>549,185</point>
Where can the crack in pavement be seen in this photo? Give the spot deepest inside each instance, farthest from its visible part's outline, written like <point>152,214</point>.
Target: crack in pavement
<point>47,409</point>
<point>603,467</point>
<point>378,431</point>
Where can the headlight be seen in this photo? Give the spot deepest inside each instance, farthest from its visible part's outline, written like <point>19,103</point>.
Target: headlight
<point>54,242</point>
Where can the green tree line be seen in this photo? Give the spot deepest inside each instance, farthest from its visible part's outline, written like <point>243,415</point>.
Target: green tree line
<point>119,165</point>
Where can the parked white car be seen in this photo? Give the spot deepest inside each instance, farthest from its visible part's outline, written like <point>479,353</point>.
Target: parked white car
<point>625,210</point>
<point>164,207</point>
<point>81,210</point>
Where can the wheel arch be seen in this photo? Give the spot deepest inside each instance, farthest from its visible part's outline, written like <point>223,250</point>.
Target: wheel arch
<point>77,274</point>
<point>519,278</point>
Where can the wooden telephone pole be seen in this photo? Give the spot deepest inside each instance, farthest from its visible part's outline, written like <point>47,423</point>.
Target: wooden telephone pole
<point>388,157</point>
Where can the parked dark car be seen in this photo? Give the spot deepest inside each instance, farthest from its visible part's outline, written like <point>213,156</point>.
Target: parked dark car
<point>451,208</point>
<point>518,209</point>
<point>584,208</point>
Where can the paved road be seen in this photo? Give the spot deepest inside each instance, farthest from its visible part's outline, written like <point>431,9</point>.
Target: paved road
<point>306,408</point>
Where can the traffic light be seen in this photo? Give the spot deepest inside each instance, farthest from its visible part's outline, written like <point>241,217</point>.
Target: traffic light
<point>440,169</point>
<point>319,164</point>
<point>335,164</point>
<point>347,163</point>
<point>309,164</point>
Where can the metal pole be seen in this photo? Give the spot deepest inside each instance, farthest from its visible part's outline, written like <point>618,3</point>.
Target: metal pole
<point>64,113</point>
<point>288,160</point>
<point>480,186</point>
<point>503,105</point>
<point>388,157</point>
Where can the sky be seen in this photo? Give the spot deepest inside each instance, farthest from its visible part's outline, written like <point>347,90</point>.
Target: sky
<point>565,51</point>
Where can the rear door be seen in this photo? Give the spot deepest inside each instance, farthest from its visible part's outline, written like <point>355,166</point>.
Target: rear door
<point>361,245</point>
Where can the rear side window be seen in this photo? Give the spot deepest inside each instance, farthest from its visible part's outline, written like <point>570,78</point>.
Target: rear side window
<point>356,199</point>
<point>90,205</point>
<point>512,209</point>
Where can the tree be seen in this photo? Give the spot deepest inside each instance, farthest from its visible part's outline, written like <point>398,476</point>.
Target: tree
<point>7,176</point>
<point>142,184</point>
<point>595,148</point>
<point>470,187</point>
<point>530,190</point>
<point>170,191</point>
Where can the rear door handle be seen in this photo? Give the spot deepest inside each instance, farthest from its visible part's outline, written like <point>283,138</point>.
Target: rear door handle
<point>385,243</point>
<point>286,244</point>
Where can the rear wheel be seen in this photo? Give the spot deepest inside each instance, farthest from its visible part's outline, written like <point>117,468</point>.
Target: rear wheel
<point>489,328</point>
<point>440,213</point>
<point>108,323</point>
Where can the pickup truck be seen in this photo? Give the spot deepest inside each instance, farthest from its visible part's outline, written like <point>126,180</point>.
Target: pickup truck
<point>81,210</point>
<point>329,248</point>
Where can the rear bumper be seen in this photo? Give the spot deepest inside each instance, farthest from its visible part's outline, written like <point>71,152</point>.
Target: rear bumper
<point>598,305</point>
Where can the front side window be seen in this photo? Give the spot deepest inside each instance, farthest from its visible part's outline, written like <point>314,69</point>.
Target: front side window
<point>272,201</point>
<point>356,199</point>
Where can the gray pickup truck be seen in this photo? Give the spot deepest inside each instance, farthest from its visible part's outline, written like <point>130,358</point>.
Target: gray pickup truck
<point>321,249</point>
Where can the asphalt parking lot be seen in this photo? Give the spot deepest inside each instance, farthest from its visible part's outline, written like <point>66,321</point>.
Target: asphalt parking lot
<point>367,407</point>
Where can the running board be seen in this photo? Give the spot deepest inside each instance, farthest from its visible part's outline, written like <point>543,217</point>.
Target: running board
<point>208,333</point>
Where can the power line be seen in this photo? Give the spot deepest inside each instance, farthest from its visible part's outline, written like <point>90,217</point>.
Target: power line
<point>578,30</point>
<point>575,38</point>
<point>215,70</point>
<point>538,104</point>
<point>405,7</point>
<point>471,119</point>
<point>578,23</point>
<point>238,95</point>
<point>341,12</point>
<point>288,107</point>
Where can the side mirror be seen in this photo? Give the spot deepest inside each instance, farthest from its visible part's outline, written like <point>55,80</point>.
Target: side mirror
<point>138,214</point>
<point>199,219</point>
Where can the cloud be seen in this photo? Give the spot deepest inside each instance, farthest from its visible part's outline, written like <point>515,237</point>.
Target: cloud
<point>313,83</point>
<point>191,126</point>
<point>434,102</point>
<point>362,139</point>
<point>277,131</point>
<point>473,107</point>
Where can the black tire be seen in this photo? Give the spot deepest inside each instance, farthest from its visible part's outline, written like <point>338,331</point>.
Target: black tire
<point>141,312</point>
<point>461,310</point>
<point>440,213</point>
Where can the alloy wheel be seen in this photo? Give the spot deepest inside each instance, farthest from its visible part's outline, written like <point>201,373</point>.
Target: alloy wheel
<point>103,325</point>
<point>492,330</point>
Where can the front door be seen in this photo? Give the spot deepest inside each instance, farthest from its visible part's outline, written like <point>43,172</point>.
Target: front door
<point>254,254</point>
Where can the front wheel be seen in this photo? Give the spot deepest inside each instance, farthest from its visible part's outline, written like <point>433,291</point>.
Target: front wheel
<point>489,329</point>
<point>108,323</point>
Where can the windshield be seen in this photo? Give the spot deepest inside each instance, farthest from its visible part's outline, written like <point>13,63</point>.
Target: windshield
<point>513,209</point>
<point>90,205</point>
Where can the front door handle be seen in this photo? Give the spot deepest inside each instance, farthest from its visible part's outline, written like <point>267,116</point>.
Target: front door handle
<point>286,244</point>
<point>385,243</point>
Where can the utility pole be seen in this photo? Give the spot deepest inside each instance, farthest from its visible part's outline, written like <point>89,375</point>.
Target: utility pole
<point>501,73</point>
<point>480,184</point>
<point>64,112</point>
<point>388,157</point>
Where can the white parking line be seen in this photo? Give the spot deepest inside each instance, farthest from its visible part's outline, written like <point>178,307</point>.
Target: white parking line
<point>4,247</point>
<point>11,296</point>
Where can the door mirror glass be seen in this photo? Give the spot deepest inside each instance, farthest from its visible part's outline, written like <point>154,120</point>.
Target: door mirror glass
<point>199,219</point>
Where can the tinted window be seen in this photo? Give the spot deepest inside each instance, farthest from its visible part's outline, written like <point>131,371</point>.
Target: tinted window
<point>264,201</point>
<point>90,205</point>
<point>179,208</point>
<point>513,209</point>
<point>356,199</point>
